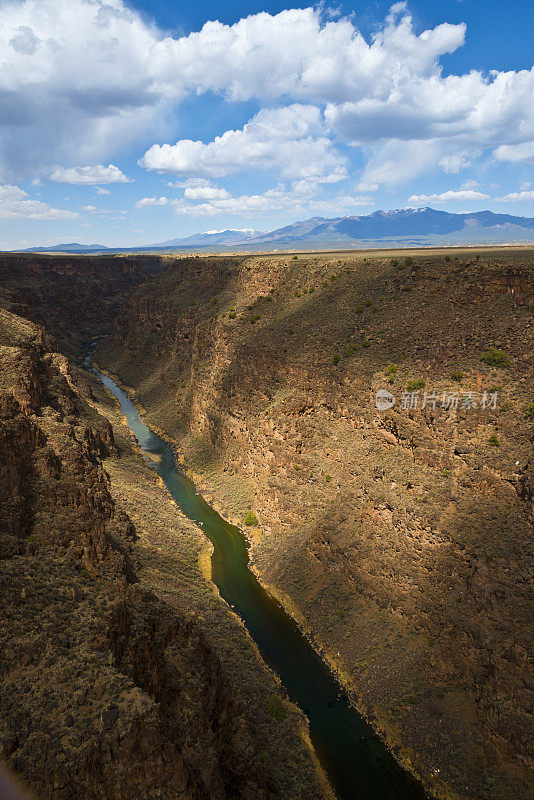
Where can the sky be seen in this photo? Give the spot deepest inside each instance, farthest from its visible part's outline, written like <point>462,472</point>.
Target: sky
<point>132,122</point>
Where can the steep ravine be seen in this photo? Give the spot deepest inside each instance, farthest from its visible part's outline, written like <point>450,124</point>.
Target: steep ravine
<point>354,759</point>
<point>401,539</point>
<point>122,674</point>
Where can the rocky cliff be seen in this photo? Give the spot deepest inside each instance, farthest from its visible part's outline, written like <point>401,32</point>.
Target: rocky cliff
<point>400,538</point>
<point>111,688</point>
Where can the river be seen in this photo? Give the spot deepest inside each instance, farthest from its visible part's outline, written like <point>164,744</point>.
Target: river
<point>356,761</point>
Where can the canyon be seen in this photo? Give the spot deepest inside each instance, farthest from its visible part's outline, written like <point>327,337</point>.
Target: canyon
<point>400,540</point>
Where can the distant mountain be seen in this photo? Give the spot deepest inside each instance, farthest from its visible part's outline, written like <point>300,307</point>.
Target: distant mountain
<point>209,238</point>
<point>71,247</point>
<point>427,224</point>
<point>404,227</point>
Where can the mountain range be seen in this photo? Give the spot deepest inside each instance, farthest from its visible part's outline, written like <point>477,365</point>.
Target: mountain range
<point>407,227</point>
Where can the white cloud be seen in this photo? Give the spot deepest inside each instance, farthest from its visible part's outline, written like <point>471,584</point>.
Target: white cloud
<point>519,153</point>
<point>90,175</point>
<point>518,196</point>
<point>101,191</point>
<point>375,94</point>
<point>366,187</point>
<point>290,139</point>
<point>205,192</point>
<point>145,202</point>
<point>396,162</point>
<point>457,195</point>
<point>298,198</point>
<point>14,203</point>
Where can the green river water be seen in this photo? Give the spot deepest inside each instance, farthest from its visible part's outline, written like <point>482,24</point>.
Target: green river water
<point>357,763</point>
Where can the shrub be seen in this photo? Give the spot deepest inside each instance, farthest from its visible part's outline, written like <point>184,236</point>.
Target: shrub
<point>457,375</point>
<point>328,478</point>
<point>359,309</point>
<point>276,708</point>
<point>335,358</point>
<point>394,262</point>
<point>493,441</point>
<point>231,315</point>
<point>495,358</point>
<point>368,303</point>
<point>445,473</point>
<point>295,258</point>
<point>447,258</point>
<point>391,369</point>
<point>529,412</point>
<point>251,519</point>
<point>408,261</point>
<point>417,384</point>
<point>366,344</point>
<point>497,388</point>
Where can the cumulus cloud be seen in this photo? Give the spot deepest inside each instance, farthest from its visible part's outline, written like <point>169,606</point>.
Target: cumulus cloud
<point>90,175</point>
<point>456,195</point>
<point>146,202</point>
<point>290,139</point>
<point>205,192</point>
<point>298,198</point>
<point>376,94</point>
<point>513,197</point>
<point>15,203</point>
<point>519,153</point>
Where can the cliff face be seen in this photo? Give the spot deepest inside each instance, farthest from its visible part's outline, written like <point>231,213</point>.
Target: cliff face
<point>400,538</point>
<point>106,690</point>
<point>73,297</point>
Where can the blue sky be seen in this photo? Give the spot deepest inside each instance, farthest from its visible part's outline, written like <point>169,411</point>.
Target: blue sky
<point>129,123</point>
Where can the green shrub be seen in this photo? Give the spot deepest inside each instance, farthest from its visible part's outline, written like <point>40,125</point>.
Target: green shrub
<point>445,473</point>
<point>231,315</point>
<point>328,478</point>
<point>394,262</point>
<point>368,303</point>
<point>366,344</point>
<point>335,358</point>
<point>447,258</point>
<point>529,412</point>
<point>457,375</point>
<point>495,358</point>
<point>493,441</point>
<point>251,519</point>
<point>391,369</point>
<point>276,707</point>
<point>417,384</point>
<point>359,309</point>
<point>408,261</point>
<point>497,388</point>
<point>295,258</point>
